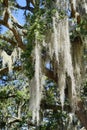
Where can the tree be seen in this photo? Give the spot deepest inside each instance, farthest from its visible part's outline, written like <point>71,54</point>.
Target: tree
<point>51,49</point>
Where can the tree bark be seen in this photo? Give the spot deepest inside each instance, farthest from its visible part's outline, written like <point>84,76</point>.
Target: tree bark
<point>81,113</point>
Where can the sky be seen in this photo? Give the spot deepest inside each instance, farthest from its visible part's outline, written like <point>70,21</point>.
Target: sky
<point>18,15</point>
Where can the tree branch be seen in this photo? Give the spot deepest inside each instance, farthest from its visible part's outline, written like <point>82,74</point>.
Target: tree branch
<point>15,22</point>
<point>6,15</point>
<point>20,105</point>
<point>45,105</point>
<point>16,34</point>
<point>74,13</point>
<point>14,119</point>
<point>17,119</point>
<point>81,114</point>
<point>33,2</point>
<point>8,40</point>
<point>13,28</point>
<point>7,96</point>
<point>27,7</point>
<point>50,75</point>
<point>2,22</point>
<point>17,37</point>
<point>5,3</point>
<point>5,70</point>
<point>6,11</point>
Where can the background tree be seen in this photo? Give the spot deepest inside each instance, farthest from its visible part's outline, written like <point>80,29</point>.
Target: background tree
<point>50,48</point>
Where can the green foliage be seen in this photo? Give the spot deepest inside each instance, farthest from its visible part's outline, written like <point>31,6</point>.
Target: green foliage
<point>28,61</point>
<point>36,31</point>
<point>84,90</point>
<point>54,118</point>
<point>1,1</point>
<point>79,29</point>
<point>82,27</point>
<point>11,98</point>
<point>39,23</point>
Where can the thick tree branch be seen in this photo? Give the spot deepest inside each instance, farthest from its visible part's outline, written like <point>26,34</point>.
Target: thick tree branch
<point>6,15</point>
<point>8,40</point>
<point>12,27</point>
<point>5,70</point>
<point>74,13</point>
<point>47,72</point>
<point>17,37</point>
<point>5,3</point>
<point>2,22</point>
<point>6,11</point>
<point>16,34</point>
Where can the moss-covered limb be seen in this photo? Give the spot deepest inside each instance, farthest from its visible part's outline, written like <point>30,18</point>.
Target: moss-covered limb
<point>74,13</point>
<point>10,25</point>
<point>7,39</point>
<point>16,35</point>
